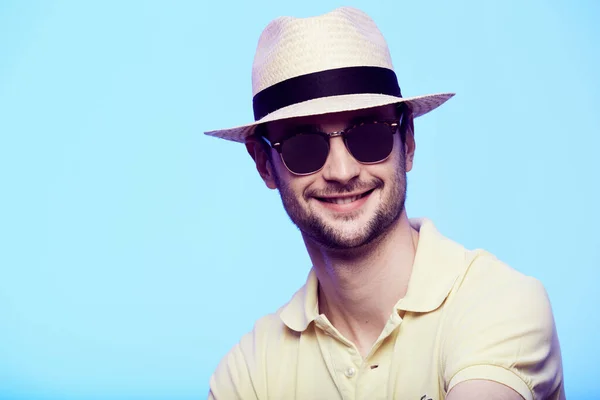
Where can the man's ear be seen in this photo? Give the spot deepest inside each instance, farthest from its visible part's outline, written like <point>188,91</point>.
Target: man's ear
<point>257,150</point>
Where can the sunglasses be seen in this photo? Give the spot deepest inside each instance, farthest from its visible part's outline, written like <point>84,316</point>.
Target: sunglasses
<point>305,153</point>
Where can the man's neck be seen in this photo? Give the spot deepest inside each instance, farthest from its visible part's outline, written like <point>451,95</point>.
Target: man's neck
<point>357,293</point>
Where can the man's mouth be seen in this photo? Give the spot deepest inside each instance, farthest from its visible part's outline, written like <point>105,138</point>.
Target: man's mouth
<point>345,199</point>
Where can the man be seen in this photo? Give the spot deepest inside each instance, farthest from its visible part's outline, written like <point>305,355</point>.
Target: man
<point>391,309</point>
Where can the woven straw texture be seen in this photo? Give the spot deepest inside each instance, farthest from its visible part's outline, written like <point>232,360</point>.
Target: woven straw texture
<point>346,37</point>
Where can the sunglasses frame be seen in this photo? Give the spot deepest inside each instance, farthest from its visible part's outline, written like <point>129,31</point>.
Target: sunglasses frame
<point>393,125</point>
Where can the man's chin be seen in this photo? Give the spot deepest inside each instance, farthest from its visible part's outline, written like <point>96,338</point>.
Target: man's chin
<point>340,240</point>
<point>357,232</point>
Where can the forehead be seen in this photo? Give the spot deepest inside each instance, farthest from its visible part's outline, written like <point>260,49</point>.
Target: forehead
<point>332,121</point>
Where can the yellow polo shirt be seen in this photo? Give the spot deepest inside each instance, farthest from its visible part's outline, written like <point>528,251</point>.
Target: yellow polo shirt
<point>466,315</point>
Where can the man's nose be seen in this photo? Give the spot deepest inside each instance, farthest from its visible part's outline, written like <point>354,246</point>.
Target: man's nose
<point>340,166</point>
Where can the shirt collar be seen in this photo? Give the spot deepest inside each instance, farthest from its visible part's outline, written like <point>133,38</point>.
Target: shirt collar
<point>438,263</point>
<point>303,308</point>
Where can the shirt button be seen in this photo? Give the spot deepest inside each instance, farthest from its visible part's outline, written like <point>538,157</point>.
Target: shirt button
<point>350,372</point>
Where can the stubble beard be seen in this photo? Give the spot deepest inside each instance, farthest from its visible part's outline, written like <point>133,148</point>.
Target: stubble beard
<point>327,235</point>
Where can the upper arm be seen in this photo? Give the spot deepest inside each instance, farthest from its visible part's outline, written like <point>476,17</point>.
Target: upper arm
<point>482,389</point>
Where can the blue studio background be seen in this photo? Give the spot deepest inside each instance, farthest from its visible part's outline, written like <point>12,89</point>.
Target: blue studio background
<point>135,251</point>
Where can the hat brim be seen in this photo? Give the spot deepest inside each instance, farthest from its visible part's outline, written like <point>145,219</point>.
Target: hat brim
<point>419,105</point>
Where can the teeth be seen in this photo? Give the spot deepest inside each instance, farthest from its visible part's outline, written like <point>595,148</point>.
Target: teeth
<point>345,200</point>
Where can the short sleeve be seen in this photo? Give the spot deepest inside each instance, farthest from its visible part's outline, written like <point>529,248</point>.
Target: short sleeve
<point>500,327</point>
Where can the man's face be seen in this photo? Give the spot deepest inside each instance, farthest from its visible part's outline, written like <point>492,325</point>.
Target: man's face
<point>346,204</point>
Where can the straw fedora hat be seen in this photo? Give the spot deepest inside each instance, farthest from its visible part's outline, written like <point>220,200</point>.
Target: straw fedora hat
<point>334,62</point>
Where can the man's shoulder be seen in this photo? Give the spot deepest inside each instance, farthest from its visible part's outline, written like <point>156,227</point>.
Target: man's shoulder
<point>485,272</point>
<point>259,352</point>
<point>267,325</point>
<point>268,335</point>
<point>278,332</point>
<point>243,372</point>
<point>491,291</point>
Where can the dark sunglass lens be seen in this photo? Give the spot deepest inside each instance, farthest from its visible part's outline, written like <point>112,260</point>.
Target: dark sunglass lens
<point>305,153</point>
<point>370,143</point>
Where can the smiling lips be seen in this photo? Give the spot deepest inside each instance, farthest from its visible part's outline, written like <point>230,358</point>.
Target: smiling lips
<point>343,200</point>
<point>345,203</point>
